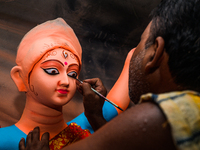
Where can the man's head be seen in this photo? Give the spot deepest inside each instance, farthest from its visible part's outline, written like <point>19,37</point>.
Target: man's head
<point>175,27</point>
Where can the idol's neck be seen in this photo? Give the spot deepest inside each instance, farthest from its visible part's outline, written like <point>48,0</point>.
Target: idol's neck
<point>36,114</point>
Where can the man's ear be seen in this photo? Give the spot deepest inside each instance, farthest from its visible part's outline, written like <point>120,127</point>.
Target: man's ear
<point>16,74</point>
<point>156,59</point>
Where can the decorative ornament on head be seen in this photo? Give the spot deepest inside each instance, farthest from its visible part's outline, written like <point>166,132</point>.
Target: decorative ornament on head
<point>65,54</point>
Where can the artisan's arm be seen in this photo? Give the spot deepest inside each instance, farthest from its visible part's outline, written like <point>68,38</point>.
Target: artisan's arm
<point>140,127</point>
<point>92,102</point>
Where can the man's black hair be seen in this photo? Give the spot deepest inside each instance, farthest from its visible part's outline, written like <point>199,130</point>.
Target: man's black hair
<point>178,23</point>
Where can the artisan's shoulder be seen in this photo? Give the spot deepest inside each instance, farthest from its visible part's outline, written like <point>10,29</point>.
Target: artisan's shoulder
<point>148,127</point>
<point>142,126</point>
<point>148,113</point>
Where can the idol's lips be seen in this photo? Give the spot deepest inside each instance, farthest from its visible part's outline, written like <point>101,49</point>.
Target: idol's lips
<point>63,91</point>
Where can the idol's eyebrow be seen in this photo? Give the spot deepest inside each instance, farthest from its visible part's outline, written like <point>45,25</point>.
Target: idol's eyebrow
<point>53,60</point>
<point>73,65</point>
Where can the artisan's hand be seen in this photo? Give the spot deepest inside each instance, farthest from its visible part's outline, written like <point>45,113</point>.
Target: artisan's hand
<point>33,141</point>
<point>92,102</point>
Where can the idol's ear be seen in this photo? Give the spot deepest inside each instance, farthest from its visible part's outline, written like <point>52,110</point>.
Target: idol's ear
<point>156,55</point>
<point>16,75</point>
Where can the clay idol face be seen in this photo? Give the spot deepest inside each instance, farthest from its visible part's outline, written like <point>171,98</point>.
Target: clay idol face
<point>49,80</point>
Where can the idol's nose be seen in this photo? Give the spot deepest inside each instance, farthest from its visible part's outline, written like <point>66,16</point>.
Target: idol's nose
<point>64,81</point>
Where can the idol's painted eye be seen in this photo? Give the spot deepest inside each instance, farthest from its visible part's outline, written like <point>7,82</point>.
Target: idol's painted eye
<point>51,71</point>
<point>72,74</point>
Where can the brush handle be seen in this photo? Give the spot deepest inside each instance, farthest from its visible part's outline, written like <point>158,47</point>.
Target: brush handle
<point>106,99</point>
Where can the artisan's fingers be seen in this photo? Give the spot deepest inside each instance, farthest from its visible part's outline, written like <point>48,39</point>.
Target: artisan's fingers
<point>22,144</point>
<point>45,139</point>
<point>29,138</point>
<point>79,87</point>
<point>86,87</point>
<point>36,134</point>
<point>94,82</point>
<point>97,84</point>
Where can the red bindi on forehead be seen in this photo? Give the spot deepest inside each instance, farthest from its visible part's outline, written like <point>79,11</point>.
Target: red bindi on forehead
<point>65,63</point>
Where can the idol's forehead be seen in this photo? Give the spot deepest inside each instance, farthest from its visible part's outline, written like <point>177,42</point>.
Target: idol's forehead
<point>63,56</point>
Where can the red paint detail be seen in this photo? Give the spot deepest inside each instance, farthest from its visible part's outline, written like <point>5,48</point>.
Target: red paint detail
<point>63,91</point>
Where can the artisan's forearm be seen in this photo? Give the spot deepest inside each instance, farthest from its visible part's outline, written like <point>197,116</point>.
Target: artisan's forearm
<point>96,121</point>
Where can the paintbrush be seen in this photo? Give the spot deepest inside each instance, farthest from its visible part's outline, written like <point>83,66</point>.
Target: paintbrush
<point>98,94</point>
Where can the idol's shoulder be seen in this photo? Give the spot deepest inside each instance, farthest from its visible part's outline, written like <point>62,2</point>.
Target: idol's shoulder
<point>10,137</point>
